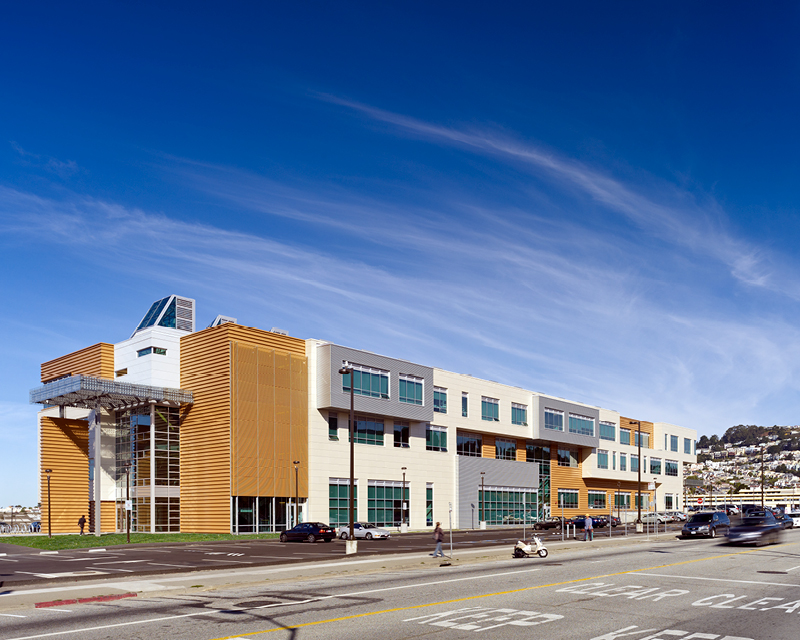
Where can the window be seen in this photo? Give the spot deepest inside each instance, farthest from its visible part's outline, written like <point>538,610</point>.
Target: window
<point>668,502</point>
<point>623,462</point>
<point>505,449</point>
<point>333,426</point>
<point>622,500</point>
<point>645,439</point>
<point>469,444</point>
<point>369,431</point>
<point>439,400</point>
<point>644,500</point>
<point>624,436</point>
<point>568,498</point>
<point>666,442</point>
<point>373,383</point>
<point>634,463</point>
<point>507,505</point>
<point>567,458</point>
<point>673,443</point>
<point>429,504</point>
<point>597,499</point>
<point>671,468</point>
<point>339,501</point>
<point>464,402</point>
<point>410,389</point>
<point>385,502</point>
<point>655,466</point>
<point>602,459</point>
<point>553,419</point>
<point>581,425</point>
<point>156,350</point>
<point>401,434</point>
<point>435,438</point>
<point>535,453</point>
<point>490,409</point>
<point>608,431</point>
<point>614,460</point>
<point>519,414</point>
<point>687,446</point>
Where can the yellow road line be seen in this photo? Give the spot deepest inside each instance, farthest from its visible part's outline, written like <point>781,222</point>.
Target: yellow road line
<point>487,595</point>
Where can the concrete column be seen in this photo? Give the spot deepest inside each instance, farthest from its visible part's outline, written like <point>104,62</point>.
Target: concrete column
<point>152,467</point>
<point>98,472</point>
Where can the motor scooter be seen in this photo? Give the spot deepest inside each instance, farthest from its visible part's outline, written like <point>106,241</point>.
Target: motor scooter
<point>525,550</point>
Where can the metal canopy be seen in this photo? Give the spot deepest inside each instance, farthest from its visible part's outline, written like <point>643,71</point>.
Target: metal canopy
<point>88,392</point>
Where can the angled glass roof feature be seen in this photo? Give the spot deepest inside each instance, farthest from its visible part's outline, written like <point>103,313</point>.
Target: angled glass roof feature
<point>168,319</point>
<point>152,315</point>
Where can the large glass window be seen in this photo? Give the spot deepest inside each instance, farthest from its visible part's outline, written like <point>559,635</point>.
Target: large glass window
<point>655,466</point>
<point>687,446</point>
<point>624,436</point>
<point>373,383</point>
<point>469,444</point>
<point>505,449</point>
<point>385,502</point>
<point>671,468</point>
<point>410,389</point>
<point>369,430</point>
<point>339,501</point>
<point>435,438</point>
<point>602,459</point>
<point>507,505</point>
<point>439,400</point>
<point>401,434</point>
<point>519,414</point>
<point>582,425</point>
<point>597,499</point>
<point>673,443</point>
<point>333,426</point>
<point>429,505</point>
<point>623,462</point>
<point>634,463</point>
<point>567,458</point>
<point>568,498</point>
<point>668,502</point>
<point>622,500</point>
<point>645,439</point>
<point>464,403</point>
<point>537,453</point>
<point>490,409</point>
<point>608,431</point>
<point>553,419</point>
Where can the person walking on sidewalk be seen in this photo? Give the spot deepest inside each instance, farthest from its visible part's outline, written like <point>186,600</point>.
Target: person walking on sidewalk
<point>82,523</point>
<point>438,536</point>
<point>588,531</point>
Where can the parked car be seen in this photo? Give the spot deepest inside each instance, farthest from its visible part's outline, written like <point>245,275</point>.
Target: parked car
<point>614,521</point>
<point>654,518</point>
<point>598,522</point>
<point>547,523</point>
<point>310,531</point>
<point>795,516</point>
<point>677,516</point>
<point>758,527</point>
<point>706,523</point>
<point>730,509</point>
<point>365,530</point>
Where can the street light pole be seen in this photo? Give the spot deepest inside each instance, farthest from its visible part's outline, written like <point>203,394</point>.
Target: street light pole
<point>127,502</point>
<point>352,544</point>
<point>49,510</point>
<point>483,500</point>
<point>762,476</point>
<point>296,495</point>
<point>403,500</point>
<point>639,469</point>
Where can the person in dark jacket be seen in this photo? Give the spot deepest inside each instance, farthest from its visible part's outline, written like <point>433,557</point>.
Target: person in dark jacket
<point>82,523</point>
<point>588,531</point>
<point>438,536</point>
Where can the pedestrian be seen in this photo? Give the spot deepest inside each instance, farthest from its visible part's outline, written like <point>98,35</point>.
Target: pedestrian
<point>438,536</point>
<point>588,532</point>
<point>82,523</point>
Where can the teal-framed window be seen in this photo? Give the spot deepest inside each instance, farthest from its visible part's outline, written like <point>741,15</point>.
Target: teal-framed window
<point>469,444</point>
<point>401,434</point>
<point>156,350</point>
<point>673,443</point>
<point>368,431</point>
<point>668,502</point>
<point>411,389</point>
<point>435,438</point>
<point>597,499</point>
<point>490,409</point>
<point>655,466</point>
<point>567,458</point>
<point>622,500</point>
<point>687,446</point>
<point>537,453</point>
<point>634,463</point>
<point>519,414</point>
<point>507,505</point>
<point>553,419</point>
<point>602,459</point>
<point>644,500</point>
<point>464,404</point>
<point>582,425</point>
<point>367,381</point>
<point>333,427</point>
<point>385,502</point>
<point>624,436</point>
<point>623,462</point>
<point>568,498</point>
<point>429,505</point>
<point>608,431</point>
<point>505,449</point>
<point>671,468</point>
<point>339,501</point>
<point>439,400</point>
<point>645,439</point>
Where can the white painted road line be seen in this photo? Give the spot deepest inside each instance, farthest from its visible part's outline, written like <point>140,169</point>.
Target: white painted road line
<point>11,615</point>
<point>61,610</point>
<point>119,562</point>
<point>666,575</point>
<point>793,568</point>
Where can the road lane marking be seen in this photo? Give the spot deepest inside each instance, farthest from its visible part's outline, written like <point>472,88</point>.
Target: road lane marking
<point>119,562</point>
<point>793,568</point>
<point>771,584</point>
<point>11,615</point>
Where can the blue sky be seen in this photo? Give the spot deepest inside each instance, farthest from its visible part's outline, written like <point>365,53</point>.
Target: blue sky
<point>594,201</point>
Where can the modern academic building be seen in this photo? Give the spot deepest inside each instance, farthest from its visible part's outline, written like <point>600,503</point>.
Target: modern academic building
<point>236,429</point>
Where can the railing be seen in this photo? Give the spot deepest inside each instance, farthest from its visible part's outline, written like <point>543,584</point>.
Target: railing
<point>17,529</point>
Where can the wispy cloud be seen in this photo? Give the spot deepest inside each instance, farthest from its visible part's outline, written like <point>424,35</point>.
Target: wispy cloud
<point>63,169</point>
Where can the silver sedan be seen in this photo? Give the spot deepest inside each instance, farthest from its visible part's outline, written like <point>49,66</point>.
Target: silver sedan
<point>365,530</point>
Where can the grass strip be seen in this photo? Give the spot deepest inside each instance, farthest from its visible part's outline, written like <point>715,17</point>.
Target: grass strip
<point>62,542</point>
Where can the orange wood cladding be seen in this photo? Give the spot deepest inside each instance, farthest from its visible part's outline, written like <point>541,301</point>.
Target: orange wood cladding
<point>97,360</point>
<point>488,450</point>
<point>64,448</point>
<point>246,425</point>
<point>646,427</point>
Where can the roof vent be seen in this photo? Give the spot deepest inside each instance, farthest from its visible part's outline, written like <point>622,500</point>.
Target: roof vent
<point>280,332</point>
<point>222,320</point>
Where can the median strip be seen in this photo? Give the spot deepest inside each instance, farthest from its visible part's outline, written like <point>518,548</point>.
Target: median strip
<point>57,603</point>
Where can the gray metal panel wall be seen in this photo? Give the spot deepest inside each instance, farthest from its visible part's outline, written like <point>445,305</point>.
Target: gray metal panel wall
<point>499,473</point>
<point>330,394</point>
<point>540,433</point>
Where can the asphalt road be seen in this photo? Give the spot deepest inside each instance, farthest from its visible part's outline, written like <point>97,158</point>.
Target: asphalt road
<point>24,565</point>
<point>694,590</point>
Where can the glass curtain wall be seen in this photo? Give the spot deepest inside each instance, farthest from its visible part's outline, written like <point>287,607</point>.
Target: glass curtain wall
<point>508,505</point>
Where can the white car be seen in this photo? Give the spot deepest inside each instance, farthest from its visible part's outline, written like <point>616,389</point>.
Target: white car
<point>365,530</point>
<point>795,516</point>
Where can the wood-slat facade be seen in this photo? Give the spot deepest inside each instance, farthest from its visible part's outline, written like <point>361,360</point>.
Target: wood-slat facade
<point>64,448</point>
<point>97,360</point>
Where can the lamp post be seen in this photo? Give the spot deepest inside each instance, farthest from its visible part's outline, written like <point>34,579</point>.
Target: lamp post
<point>403,521</point>
<point>762,476</point>
<point>619,499</point>
<point>127,502</point>
<point>49,510</point>
<point>483,500</point>
<point>296,495</point>
<point>639,469</point>
<point>351,546</point>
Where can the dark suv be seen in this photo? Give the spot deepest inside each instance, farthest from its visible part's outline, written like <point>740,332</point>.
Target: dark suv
<point>706,524</point>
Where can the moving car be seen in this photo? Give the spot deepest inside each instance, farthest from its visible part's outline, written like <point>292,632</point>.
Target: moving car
<point>795,516</point>
<point>786,521</point>
<point>758,527</point>
<point>310,531</point>
<point>365,530</point>
<point>706,523</point>
<point>547,523</point>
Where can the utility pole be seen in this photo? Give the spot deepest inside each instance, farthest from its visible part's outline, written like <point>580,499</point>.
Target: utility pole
<point>296,495</point>
<point>351,545</point>
<point>639,468</point>
<point>49,510</point>
<point>762,476</point>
